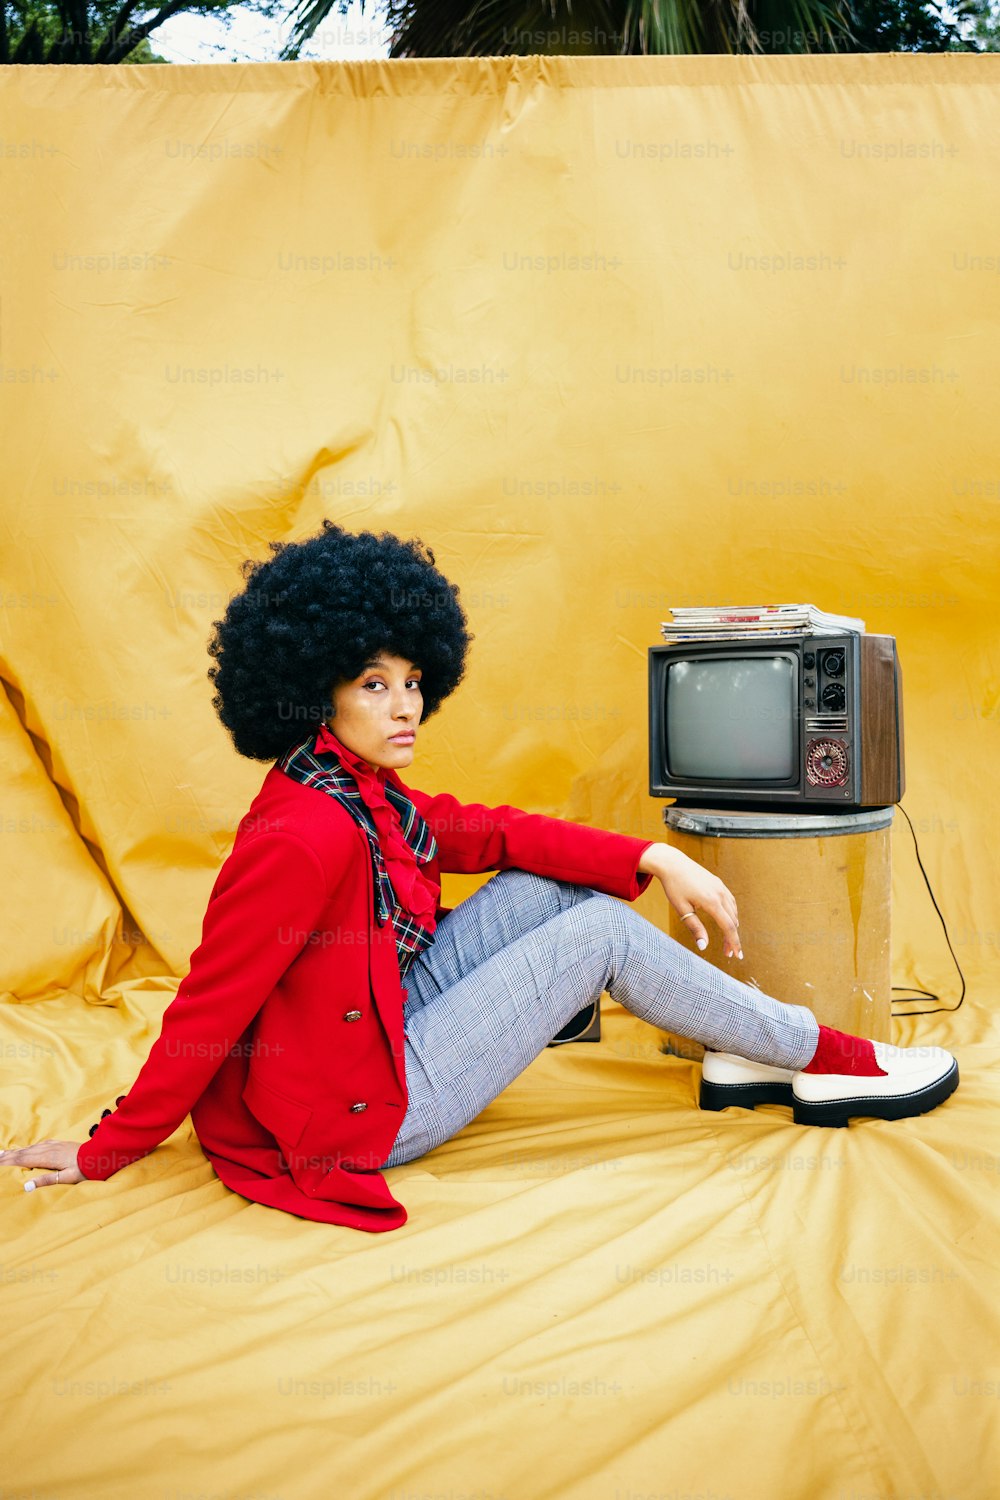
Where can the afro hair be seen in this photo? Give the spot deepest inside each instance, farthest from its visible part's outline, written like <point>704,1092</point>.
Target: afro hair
<point>313,616</point>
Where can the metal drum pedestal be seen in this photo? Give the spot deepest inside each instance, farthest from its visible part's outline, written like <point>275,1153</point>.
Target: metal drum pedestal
<point>814,898</point>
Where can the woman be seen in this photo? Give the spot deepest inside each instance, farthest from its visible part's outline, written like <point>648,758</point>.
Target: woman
<point>307,1064</point>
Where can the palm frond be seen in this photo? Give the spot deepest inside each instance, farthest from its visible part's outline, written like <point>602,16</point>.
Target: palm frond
<point>492,28</point>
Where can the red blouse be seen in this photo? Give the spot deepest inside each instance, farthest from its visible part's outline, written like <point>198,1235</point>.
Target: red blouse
<point>416,892</point>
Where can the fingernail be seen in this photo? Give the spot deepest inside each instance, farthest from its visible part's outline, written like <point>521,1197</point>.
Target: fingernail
<point>29,1187</point>
<point>741,953</point>
<point>703,942</point>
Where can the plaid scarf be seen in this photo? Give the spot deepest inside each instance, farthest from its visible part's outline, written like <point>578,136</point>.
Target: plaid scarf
<point>324,771</point>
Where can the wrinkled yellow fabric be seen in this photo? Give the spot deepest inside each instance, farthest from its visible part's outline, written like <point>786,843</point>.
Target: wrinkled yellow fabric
<point>610,335</point>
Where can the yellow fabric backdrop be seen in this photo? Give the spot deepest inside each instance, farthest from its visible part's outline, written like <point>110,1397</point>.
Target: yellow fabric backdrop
<point>609,334</point>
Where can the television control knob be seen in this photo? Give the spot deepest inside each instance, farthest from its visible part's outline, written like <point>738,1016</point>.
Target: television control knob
<point>810,703</point>
<point>833,695</point>
<point>809,660</point>
<point>810,682</point>
<point>833,663</point>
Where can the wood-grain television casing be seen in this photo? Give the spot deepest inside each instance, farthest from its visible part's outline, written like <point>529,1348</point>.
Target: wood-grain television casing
<point>812,723</point>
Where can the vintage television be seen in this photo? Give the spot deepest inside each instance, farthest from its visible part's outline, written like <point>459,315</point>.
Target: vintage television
<point>807,723</point>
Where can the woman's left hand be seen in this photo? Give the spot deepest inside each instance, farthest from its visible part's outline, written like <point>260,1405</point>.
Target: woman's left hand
<point>60,1155</point>
<point>691,888</point>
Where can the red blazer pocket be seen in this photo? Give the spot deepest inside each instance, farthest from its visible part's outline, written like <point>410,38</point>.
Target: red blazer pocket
<point>285,1118</point>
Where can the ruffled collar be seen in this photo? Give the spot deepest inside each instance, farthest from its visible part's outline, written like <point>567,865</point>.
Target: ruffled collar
<point>416,894</point>
<point>359,768</point>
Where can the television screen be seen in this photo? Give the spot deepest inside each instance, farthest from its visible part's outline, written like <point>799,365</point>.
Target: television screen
<point>732,718</point>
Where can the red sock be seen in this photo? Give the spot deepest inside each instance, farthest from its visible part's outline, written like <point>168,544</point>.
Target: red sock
<point>839,1052</point>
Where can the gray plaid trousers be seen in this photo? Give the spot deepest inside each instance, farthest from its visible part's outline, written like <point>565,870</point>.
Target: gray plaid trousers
<point>515,961</point>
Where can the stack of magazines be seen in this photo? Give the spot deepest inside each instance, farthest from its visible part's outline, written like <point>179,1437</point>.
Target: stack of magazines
<point>724,621</point>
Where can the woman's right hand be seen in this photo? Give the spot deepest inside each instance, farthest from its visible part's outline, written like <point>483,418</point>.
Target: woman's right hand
<point>690,888</point>
<point>60,1156</point>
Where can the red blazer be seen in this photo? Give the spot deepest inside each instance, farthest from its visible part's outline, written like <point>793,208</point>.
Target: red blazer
<point>285,1040</point>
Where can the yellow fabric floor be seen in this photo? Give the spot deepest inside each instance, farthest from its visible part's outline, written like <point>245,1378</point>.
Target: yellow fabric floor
<point>601,1292</point>
<point>610,334</point>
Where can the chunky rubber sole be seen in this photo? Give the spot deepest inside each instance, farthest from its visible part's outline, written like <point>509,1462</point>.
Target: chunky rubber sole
<point>746,1095</point>
<point>838,1112</point>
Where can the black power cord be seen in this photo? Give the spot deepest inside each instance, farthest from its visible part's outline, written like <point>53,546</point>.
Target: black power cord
<point>927,1010</point>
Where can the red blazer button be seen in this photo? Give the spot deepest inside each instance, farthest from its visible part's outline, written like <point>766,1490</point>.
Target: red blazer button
<point>352,1015</point>
<point>356,1109</point>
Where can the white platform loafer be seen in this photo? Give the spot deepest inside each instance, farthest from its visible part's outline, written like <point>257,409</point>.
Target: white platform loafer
<point>916,1080</point>
<point>727,1079</point>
